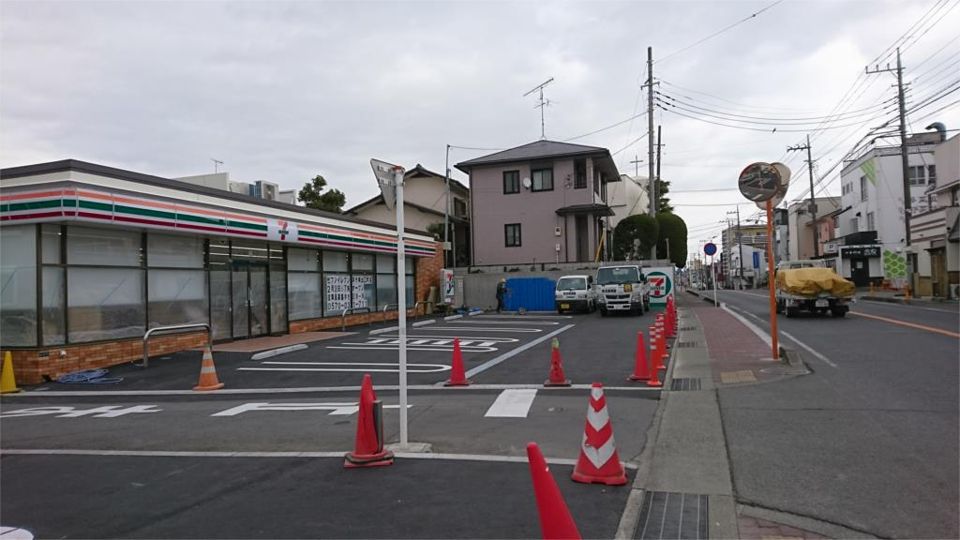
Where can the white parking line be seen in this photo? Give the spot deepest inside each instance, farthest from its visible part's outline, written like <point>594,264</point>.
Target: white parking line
<point>485,329</point>
<point>510,354</point>
<point>373,367</point>
<point>541,323</point>
<point>512,404</point>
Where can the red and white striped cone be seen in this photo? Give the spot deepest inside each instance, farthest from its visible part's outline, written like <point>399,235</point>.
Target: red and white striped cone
<point>598,462</point>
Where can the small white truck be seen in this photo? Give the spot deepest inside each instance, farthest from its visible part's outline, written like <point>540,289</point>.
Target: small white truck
<point>622,288</point>
<point>575,293</point>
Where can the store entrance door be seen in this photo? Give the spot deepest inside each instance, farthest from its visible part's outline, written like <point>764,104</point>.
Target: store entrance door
<point>251,317</point>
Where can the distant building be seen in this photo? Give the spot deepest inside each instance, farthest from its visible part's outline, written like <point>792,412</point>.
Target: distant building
<point>872,187</point>
<point>628,197</point>
<point>260,189</point>
<point>800,226</point>
<point>545,201</point>
<point>935,234</point>
<point>425,203</point>
<point>752,235</point>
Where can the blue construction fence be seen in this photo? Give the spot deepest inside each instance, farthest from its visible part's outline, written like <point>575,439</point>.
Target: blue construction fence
<point>531,294</point>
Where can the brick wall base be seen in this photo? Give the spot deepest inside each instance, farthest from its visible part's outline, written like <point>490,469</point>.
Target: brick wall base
<point>33,366</point>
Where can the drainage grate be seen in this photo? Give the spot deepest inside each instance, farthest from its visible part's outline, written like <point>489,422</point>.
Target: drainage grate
<point>673,515</point>
<point>685,383</point>
<point>687,344</point>
<point>688,328</point>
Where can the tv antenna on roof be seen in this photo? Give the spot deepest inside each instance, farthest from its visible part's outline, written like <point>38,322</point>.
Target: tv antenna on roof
<point>216,165</point>
<point>543,103</point>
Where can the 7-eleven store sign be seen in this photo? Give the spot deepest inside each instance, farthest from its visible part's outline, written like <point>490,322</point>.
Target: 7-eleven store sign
<point>660,281</point>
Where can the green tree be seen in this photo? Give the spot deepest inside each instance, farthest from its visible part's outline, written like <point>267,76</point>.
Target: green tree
<point>672,228</point>
<point>313,196</point>
<point>663,202</point>
<point>634,236</point>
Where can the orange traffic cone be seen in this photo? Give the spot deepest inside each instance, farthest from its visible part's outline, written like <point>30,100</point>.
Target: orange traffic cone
<point>598,462</point>
<point>8,383</point>
<point>555,519</point>
<point>655,356</point>
<point>368,448</point>
<point>641,370</point>
<point>208,373</point>
<point>557,378</point>
<point>457,376</point>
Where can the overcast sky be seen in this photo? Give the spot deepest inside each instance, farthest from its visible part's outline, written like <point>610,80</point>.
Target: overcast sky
<point>282,91</point>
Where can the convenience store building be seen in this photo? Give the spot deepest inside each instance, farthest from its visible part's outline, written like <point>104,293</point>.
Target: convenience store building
<point>92,256</point>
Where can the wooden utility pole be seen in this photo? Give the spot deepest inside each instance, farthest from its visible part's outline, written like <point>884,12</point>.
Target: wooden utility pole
<point>813,200</point>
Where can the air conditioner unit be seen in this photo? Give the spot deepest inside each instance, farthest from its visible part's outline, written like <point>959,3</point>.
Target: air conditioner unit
<point>954,290</point>
<point>556,231</point>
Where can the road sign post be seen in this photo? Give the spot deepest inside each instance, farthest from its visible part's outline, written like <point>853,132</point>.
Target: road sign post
<point>767,184</point>
<point>711,249</point>
<point>390,179</point>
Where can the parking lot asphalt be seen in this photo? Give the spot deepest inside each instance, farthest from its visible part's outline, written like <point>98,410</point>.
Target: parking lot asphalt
<point>178,469</point>
<point>217,497</point>
<point>497,349</point>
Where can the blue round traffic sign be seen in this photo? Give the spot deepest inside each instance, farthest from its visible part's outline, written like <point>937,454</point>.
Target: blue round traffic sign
<point>710,249</point>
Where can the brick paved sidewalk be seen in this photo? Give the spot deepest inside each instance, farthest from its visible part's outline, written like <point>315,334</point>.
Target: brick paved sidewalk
<point>752,528</point>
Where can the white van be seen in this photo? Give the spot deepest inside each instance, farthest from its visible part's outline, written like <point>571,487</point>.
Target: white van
<point>575,293</point>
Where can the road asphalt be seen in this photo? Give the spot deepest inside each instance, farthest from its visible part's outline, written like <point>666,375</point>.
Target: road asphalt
<point>859,439</point>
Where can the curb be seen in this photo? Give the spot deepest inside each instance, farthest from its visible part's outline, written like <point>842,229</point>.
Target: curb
<point>383,330</point>
<point>830,530</point>
<point>276,352</point>
<point>452,317</point>
<point>423,323</point>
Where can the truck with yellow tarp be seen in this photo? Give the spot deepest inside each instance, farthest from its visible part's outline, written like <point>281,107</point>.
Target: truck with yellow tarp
<point>812,288</point>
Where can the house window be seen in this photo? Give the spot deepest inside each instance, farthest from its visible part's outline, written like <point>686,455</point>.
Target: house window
<point>870,223</point>
<point>863,188</point>
<point>511,235</point>
<point>511,182</point>
<point>542,180</point>
<point>855,224</point>
<point>915,174</point>
<point>596,181</point>
<point>931,174</point>
<point>459,207</point>
<point>580,174</point>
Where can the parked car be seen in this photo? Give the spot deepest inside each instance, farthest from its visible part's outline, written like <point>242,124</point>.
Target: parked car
<point>575,293</point>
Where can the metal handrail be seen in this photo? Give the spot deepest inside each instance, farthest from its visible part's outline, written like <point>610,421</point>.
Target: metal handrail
<point>343,316</point>
<point>416,313</point>
<point>175,328</point>
<point>384,310</point>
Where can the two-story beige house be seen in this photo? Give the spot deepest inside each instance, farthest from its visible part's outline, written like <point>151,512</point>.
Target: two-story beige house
<point>424,202</point>
<point>545,201</point>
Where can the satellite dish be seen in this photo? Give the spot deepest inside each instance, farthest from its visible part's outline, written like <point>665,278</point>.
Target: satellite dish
<point>526,183</point>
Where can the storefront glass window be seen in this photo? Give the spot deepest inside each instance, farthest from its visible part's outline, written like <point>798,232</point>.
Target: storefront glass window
<point>278,297</point>
<point>174,251</point>
<point>176,297</point>
<point>18,285</point>
<point>304,295</point>
<point>364,292</point>
<point>103,247</point>
<point>104,303</point>
<point>336,293</point>
<point>53,306</point>
<point>335,261</point>
<point>50,243</point>
<point>303,260</point>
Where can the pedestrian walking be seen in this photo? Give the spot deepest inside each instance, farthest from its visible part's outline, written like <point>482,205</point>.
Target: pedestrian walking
<point>501,293</point>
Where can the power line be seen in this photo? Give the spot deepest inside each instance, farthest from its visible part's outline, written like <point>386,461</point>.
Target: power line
<point>611,126</point>
<point>784,121</point>
<point>718,32</point>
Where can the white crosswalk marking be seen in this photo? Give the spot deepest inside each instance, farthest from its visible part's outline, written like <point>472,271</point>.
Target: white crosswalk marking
<point>514,403</point>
